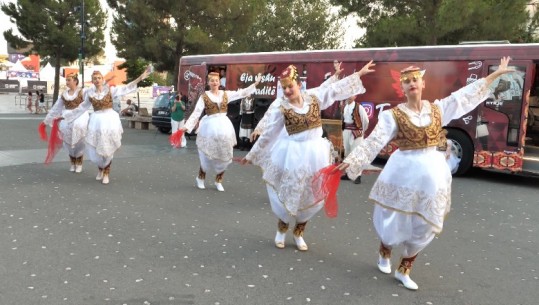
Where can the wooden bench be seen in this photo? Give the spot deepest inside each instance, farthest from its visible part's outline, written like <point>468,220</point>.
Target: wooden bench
<point>142,122</point>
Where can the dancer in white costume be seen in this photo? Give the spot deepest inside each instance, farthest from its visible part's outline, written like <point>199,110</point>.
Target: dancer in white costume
<point>261,125</point>
<point>216,136</point>
<point>73,133</point>
<point>413,192</point>
<point>104,127</point>
<point>291,149</point>
<point>355,122</point>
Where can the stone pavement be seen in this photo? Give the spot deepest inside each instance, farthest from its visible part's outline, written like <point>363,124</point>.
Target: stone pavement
<point>151,237</point>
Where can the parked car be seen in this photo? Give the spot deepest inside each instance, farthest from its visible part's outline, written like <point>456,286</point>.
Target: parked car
<point>161,111</point>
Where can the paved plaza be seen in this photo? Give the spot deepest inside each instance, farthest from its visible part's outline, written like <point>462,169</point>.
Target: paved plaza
<point>151,237</point>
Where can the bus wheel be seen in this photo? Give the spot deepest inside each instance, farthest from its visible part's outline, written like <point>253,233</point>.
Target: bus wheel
<point>462,147</point>
<point>164,129</point>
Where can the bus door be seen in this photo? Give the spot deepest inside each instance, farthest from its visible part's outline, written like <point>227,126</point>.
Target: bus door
<point>501,118</point>
<point>196,82</point>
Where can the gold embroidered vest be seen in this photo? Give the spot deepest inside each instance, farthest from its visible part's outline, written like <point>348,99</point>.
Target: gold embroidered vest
<point>411,137</point>
<point>296,123</point>
<point>105,103</point>
<point>74,103</point>
<point>213,108</point>
<point>356,116</point>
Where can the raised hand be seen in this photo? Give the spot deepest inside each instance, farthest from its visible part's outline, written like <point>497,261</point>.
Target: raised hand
<point>146,73</point>
<point>337,67</point>
<point>258,78</point>
<point>502,69</point>
<point>366,68</point>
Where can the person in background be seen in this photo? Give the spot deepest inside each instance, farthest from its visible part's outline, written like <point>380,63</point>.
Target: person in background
<point>412,195</point>
<point>291,149</point>
<point>29,102</point>
<point>129,110</point>
<point>36,102</point>
<point>216,136</point>
<point>104,127</point>
<point>355,122</point>
<point>177,115</point>
<point>247,112</point>
<point>73,133</point>
<point>222,80</point>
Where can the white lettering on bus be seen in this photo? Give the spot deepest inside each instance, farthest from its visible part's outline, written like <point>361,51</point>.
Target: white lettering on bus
<point>266,90</point>
<point>266,78</point>
<point>381,107</point>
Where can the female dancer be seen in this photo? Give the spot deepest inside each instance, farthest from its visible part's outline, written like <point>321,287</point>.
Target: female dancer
<point>291,149</point>
<point>104,128</point>
<point>216,136</point>
<point>412,195</point>
<point>73,133</point>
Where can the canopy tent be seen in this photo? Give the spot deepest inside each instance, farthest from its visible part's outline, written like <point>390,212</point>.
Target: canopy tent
<point>47,73</point>
<point>18,66</point>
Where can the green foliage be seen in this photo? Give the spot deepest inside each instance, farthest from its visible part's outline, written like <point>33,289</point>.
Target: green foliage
<point>431,22</point>
<point>134,68</point>
<point>52,29</point>
<point>163,31</point>
<point>285,25</point>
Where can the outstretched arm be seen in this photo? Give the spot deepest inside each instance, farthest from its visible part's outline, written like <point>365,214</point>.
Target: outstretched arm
<point>469,97</point>
<point>119,91</point>
<point>502,69</point>
<point>344,88</point>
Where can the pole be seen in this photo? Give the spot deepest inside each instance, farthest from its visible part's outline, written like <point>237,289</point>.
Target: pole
<point>82,38</point>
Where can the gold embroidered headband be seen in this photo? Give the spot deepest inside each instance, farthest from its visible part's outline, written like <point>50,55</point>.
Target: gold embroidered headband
<point>289,75</point>
<point>410,73</point>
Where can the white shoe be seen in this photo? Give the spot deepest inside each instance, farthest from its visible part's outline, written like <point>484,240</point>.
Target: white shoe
<point>72,168</point>
<point>78,168</point>
<point>200,183</point>
<point>300,243</point>
<point>384,264</point>
<point>219,187</point>
<point>105,179</point>
<point>406,280</point>
<point>99,175</point>
<point>279,240</point>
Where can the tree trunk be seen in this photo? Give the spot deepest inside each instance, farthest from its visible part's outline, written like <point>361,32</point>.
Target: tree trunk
<point>56,78</point>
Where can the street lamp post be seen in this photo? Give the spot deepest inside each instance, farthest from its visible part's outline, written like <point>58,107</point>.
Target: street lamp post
<point>82,39</point>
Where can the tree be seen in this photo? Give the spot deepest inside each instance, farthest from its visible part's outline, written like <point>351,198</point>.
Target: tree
<point>432,22</point>
<point>285,25</point>
<point>52,28</point>
<point>163,31</point>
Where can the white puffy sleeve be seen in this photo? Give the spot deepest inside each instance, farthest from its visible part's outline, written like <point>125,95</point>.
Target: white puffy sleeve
<point>463,100</point>
<point>119,91</point>
<point>275,125</point>
<point>241,93</point>
<point>339,90</point>
<point>195,115</point>
<point>385,130</point>
<point>55,111</point>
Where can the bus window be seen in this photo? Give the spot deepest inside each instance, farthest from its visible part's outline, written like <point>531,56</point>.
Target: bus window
<point>507,96</point>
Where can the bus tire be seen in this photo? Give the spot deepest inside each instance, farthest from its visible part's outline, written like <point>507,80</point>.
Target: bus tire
<point>462,145</point>
<point>164,130</point>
